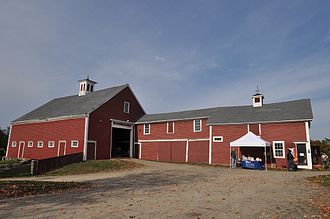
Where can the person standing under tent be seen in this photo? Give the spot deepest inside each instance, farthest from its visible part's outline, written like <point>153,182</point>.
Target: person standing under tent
<point>233,158</point>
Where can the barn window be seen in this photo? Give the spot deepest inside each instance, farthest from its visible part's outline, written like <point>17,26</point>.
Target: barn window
<point>51,144</point>
<point>40,144</point>
<point>257,100</point>
<point>13,144</point>
<point>278,149</point>
<point>92,88</point>
<point>126,107</point>
<point>146,129</point>
<point>170,127</point>
<point>88,87</point>
<point>30,144</point>
<point>197,125</point>
<point>74,143</point>
<point>218,139</point>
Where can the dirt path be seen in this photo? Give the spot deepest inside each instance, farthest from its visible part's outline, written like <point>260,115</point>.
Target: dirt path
<point>162,190</point>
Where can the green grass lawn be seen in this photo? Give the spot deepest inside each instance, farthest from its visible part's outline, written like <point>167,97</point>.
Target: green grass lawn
<point>11,189</point>
<point>94,166</point>
<point>324,180</point>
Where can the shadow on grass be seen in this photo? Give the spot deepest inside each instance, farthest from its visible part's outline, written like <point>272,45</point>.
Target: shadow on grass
<point>17,171</point>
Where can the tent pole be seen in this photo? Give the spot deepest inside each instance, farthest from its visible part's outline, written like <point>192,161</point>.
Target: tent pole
<point>230,156</point>
<point>266,157</point>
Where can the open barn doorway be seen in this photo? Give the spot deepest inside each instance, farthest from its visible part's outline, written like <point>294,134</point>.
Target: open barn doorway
<point>121,142</point>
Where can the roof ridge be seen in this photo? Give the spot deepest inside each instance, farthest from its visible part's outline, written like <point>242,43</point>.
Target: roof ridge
<point>221,107</point>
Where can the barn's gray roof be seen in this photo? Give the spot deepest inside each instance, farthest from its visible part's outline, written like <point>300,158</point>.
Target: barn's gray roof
<point>72,105</point>
<point>274,112</point>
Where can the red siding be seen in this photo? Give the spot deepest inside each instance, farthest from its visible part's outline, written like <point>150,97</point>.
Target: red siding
<point>67,130</point>
<point>220,150</point>
<point>149,151</point>
<point>254,128</point>
<point>100,125</point>
<point>198,152</point>
<point>182,130</point>
<point>287,132</point>
<point>169,151</point>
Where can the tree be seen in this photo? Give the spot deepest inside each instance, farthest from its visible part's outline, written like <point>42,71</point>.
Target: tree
<point>324,145</point>
<point>3,141</point>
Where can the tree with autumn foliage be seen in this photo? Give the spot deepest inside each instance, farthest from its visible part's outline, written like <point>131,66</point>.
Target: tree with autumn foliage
<point>324,145</point>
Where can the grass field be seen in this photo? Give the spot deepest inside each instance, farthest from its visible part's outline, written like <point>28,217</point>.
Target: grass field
<point>94,166</point>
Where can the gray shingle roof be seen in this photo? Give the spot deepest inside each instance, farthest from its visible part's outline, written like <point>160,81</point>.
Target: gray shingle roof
<point>274,112</point>
<point>72,105</point>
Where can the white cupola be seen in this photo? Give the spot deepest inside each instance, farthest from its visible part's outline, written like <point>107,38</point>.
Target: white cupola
<point>86,86</point>
<point>257,99</point>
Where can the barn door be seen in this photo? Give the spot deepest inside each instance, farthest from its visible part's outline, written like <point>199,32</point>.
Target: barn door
<point>21,149</point>
<point>91,151</point>
<point>61,148</point>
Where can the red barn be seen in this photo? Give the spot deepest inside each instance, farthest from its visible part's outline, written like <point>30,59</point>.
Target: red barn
<point>110,122</point>
<point>99,124</point>
<point>205,135</point>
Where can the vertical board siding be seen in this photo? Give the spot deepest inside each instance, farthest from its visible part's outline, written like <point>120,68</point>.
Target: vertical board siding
<point>198,152</point>
<point>67,130</point>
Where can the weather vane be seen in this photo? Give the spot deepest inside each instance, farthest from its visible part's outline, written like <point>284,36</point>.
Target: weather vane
<point>257,89</point>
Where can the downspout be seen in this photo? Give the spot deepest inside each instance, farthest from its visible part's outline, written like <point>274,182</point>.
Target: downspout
<point>8,143</point>
<point>86,137</point>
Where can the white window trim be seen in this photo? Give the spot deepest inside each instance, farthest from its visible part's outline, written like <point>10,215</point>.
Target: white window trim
<point>125,102</point>
<point>144,129</point>
<point>13,144</point>
<point>51,142</point>
<point>73,142</point>
<point>42,144</point>
<point>167,127</point>
<point>281,142</point>
<point>30,144</point>
<point>200,124</point>
<point>214,138</point>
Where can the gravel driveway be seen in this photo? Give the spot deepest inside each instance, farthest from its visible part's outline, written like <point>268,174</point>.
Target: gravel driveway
<point>163,190</point>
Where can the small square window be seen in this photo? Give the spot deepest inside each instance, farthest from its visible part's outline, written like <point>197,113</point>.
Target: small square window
<point>218,139</point>
<point>197,125</point>
<point>13,144</point>
<point>40,144</point>
<point>257,99</point>
<point>126,107</point>
<point>51,144</point>
<point>30,144</point>
<point>146,129</point>
<point>74,143</point>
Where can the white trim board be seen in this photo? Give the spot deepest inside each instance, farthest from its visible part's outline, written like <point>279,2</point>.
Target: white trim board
<point>180,139</point>
<point>49,119</point>
<point>260,122</point>
<point>9,139</point>
<point>174,120</point>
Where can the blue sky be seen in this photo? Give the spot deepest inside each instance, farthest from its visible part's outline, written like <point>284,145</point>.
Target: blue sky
<point>176,55</point>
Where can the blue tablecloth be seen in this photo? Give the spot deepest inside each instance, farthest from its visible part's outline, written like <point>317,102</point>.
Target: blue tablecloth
<point>247,164</point>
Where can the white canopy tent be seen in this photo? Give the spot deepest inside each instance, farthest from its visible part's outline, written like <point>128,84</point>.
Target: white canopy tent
<point>250,140</point>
